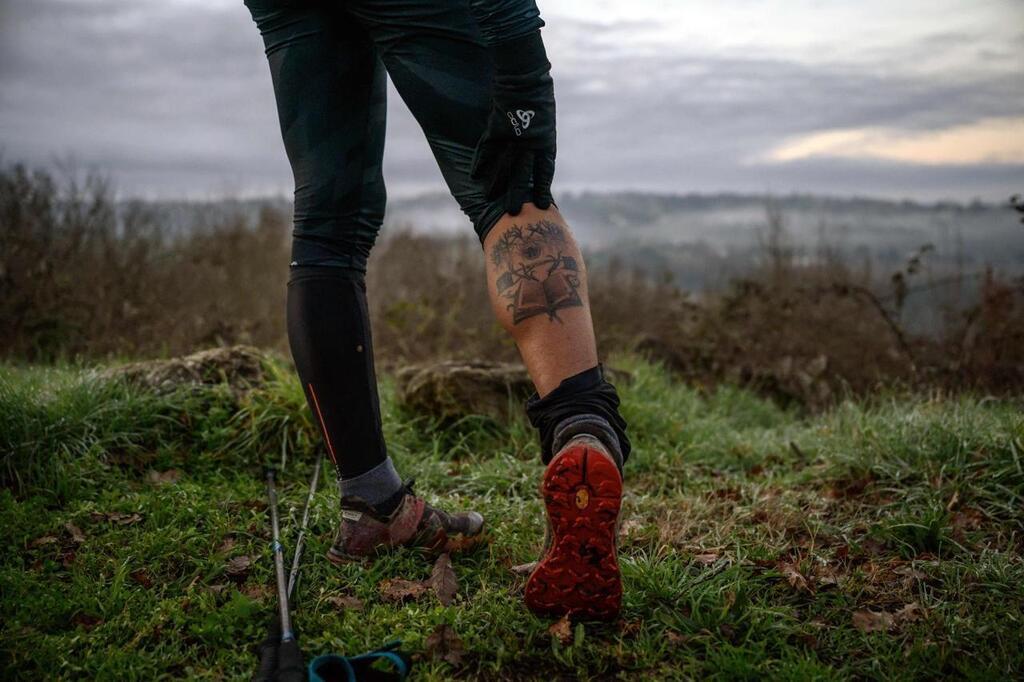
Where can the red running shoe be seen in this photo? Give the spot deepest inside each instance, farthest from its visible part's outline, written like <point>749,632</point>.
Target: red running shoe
<point>578,573</point>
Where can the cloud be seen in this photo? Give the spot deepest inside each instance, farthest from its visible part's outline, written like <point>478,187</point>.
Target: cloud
<point>175,98</point>
<point>997,141</point>
<point>695,120</point>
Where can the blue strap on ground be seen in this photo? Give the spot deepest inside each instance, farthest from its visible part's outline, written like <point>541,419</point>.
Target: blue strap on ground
<point>335,668</point>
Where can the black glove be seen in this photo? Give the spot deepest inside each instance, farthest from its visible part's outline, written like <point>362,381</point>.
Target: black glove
<point>519,142</point>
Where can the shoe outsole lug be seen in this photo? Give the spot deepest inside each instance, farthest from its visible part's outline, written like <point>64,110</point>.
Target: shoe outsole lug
<point>579,575</point>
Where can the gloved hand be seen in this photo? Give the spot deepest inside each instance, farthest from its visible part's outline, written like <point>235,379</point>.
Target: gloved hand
<point>519,142</point>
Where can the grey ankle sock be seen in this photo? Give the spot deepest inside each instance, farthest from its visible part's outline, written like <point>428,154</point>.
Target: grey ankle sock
<point>373,487</point>
<point>592,425</point>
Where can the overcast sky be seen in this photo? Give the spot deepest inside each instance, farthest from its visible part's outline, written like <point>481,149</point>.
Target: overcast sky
<point>899,98</point>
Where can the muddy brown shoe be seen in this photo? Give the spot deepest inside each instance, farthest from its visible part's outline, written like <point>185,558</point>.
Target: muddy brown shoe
<point>414,523</point>
<point>578,573</point>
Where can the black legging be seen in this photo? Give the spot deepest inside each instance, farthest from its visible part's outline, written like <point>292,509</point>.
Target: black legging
<point>328,60</point>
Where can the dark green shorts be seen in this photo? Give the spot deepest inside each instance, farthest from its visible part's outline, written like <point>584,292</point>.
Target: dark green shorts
<point>328,60</point>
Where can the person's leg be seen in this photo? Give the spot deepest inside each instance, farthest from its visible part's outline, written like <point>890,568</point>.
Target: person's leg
<point>537,281</point>
<point>331,101</point>
<point>538,287</point>
<point>331,96</point>
<point>436,58</point>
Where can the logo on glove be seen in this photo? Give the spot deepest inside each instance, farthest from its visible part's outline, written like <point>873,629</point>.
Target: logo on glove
<point>521,120</point>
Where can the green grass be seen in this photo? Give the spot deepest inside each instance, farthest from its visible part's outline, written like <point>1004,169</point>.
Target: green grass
<point>752,535</point>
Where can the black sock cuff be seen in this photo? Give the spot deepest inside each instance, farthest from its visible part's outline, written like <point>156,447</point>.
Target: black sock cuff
<point>581,394</point>
<point>592,425</point>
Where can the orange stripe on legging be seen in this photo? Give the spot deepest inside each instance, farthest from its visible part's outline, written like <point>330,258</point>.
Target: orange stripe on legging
<point>323,425</point>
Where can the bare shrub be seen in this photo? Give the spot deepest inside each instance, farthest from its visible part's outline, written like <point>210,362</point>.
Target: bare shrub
<point>428,300</point>
<point>986,349</point>
<point>82,275</point>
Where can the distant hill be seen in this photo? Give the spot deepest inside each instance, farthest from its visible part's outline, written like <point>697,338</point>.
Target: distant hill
<point>702,238</point>
<point>726,221</point>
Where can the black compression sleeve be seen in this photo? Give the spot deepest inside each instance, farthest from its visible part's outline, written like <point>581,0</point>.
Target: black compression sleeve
<point>329,334</point>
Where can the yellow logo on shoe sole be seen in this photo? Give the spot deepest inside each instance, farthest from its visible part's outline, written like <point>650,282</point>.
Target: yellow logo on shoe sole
<point>582,498</point>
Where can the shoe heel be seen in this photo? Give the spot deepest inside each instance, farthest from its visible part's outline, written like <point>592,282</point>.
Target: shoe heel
<point>579,574</point>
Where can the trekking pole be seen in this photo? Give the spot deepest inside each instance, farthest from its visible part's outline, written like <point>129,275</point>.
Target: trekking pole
<point>282,585</point>
<point>268,649</point>
<point>293,576</point>
<point>289,658</point>
<point>267,670</point>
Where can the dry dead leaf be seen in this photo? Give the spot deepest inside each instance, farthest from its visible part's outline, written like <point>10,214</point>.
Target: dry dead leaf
<point>142,577</point>
<point>77,536</point>
<point>808,640</point>
<point>850,487</point>
<point>909,613</point>
<point>462,543</point>
<point>345,602</point>
<point>562,629</point>
<point>227,545</point>
<point>257,592</point>
<point>524,569</point>
<point>86,621</point>
<point>676,637</point>
<point>238,567</point>
<point>443,580</point>
<point>873,621</point>
<point>163,477</point>
<point>630,627</point>
<point>967,519</point>
<point>399,589</point>
<point>119,518</point>
<point>872,547</point>
<point>630,528</point>
<point>45,540</point>
<point>911,576</point>
<point>827,580</point>
<point>825,576</point>
<point>793,576</point>
<point>444,644</point>
<point>910,572</point>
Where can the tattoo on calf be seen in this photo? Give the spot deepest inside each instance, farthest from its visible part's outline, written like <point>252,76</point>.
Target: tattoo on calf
<point>536,277</point>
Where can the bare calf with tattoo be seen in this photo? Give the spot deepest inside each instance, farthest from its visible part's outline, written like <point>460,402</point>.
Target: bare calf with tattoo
<point>538,288</point>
